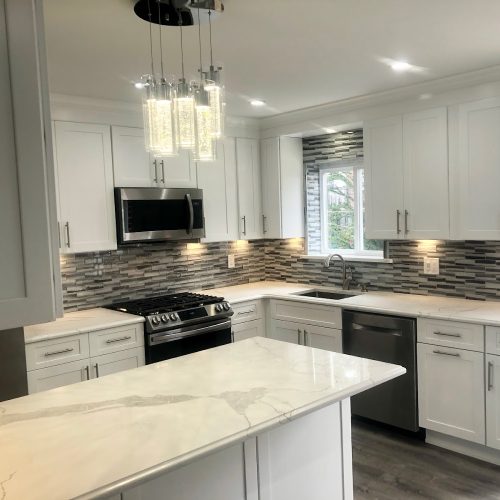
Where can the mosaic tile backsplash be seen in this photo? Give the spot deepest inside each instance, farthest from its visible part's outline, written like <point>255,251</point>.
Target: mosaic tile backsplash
<point>469,269</point>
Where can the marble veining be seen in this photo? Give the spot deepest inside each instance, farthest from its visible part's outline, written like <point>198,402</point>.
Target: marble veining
<point>100,436</point>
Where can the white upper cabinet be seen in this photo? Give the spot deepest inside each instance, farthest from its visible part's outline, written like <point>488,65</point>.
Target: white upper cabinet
<point>425,160</point>
<point>475,170</point>
<point>28,242</point>
<point>406,165</point>
<point>282,187</point>
<point>382,144</point>
<point>249,189</point>
<point>135,167</point>
<point>84,175</point>
<point>220,200</point>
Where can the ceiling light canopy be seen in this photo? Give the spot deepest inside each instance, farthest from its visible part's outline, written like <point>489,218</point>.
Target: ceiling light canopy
<point>182,114</point>
<point>258,103</point>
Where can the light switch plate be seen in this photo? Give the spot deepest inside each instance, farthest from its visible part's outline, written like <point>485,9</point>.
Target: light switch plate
<point>431,265</point>
<point>230,262</point>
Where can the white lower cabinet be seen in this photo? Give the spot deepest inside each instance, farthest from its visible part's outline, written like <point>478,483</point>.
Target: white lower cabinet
<point>320,337</point>
<point>493,401</point>
<point>249,329</point>
<point>58,376</point>
<point>117,362</point>
<point>451,391</point>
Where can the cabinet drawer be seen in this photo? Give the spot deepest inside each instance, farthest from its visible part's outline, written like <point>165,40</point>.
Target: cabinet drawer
<point>57,351</point>
<point>493,340</point>
<point>329,316</point>
<point>248,330</point>
<point>116,339</point>
<point>247,311</point>
<point>451,334</point>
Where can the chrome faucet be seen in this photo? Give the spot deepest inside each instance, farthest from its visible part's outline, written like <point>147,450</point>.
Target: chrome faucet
<point>346,281</point>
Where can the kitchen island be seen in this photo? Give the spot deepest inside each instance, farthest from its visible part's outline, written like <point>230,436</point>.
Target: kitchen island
<point>255,419</point>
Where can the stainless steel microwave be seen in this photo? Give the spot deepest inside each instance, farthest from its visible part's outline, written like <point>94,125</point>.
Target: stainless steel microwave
<point>156,214</point>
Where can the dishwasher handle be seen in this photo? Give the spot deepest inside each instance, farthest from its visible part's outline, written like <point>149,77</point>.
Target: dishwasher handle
<point>376,329</point>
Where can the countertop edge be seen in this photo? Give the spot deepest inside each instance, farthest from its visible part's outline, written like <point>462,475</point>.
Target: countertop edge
<point>165,467</point>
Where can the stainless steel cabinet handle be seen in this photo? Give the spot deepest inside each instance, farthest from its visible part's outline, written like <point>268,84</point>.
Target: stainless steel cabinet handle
<point>87,372</point>
<point>490,376</point>
<point>162,163</point>
<point>189,230</point>
<point>298,336</point>
<point>53,353</point>
<point>156,171</point>
<point>118,339</point>
<point>96,366</point>
<point>244,312</point>
<point>398,227</point>
<point>59,233</point>
<point>68,240</point>
<point>232,336</point>
<point>443,334</point>
<point>406,222</point>
<point>455,354</point>
<point>264,218</point>
<point>306,338</point>
<point>244,219</point>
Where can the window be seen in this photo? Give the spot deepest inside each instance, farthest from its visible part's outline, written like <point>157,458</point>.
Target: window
<point>343,213</point>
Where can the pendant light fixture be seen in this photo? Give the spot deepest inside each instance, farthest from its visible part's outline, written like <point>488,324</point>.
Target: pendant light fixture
<point>215,90</point>
<point>205,146</point>
<point>184,107</point>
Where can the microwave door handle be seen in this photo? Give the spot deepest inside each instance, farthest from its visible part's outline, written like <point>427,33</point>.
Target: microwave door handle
<point>191,213</point>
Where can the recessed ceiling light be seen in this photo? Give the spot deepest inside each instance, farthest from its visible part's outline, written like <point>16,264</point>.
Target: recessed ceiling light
<point>257,103</point>
<point>401,66</point>
<point>139,85</point>
<point>329,130</point>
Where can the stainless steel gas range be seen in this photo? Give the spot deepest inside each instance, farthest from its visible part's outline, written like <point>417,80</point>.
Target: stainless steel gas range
<point>181,323</point>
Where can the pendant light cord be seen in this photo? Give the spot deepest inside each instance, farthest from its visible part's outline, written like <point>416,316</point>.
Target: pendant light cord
<point>151,40</point>
<point>182,49</point>
<point>161,46</point>
<point>199,41</point>
<point>210,29</point>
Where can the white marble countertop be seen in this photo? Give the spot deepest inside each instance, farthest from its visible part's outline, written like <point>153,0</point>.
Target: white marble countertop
<point>411,305</point>
<point>79,322</point>
<point>104,435</point>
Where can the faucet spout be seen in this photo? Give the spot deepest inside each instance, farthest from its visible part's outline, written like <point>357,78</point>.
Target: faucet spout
<point>345,280</point>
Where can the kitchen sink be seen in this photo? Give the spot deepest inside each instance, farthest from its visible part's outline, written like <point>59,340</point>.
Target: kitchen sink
<point>324,294</point>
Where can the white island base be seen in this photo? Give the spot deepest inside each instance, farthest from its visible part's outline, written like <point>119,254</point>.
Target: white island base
<point>307,458</point>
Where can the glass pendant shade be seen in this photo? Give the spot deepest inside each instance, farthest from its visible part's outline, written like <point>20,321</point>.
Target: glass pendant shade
<point>165,136</point>
<point>149,113</point>
<point>216,100</point>
<point>205,145</point>
<point>185,116</point>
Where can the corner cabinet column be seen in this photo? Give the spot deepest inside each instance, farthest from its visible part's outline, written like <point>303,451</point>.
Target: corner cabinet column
<point>29,264</point>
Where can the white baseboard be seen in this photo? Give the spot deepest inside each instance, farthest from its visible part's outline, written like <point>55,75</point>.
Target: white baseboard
<point>474,450</point>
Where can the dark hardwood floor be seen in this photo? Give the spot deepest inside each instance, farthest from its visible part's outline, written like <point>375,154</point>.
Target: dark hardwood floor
<point>392,466</point>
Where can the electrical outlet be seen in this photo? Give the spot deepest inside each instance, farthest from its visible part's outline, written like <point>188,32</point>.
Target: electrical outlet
<point>431,265</point>
<point>230,262</point>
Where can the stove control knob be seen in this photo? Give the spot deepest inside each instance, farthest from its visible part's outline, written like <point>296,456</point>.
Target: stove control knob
<point>155,321</point>
<point>164,318</point>
<point>173,317</point>
<point>226,306</point>
<point>218,308</point>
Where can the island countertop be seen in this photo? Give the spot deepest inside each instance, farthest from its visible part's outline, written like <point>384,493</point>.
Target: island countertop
<point>102,436</point>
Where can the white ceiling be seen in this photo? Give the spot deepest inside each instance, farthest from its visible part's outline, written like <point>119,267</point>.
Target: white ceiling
<point>290,53</point>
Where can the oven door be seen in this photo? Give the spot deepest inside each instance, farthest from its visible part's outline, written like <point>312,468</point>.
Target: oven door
<point>171,344</point>
<point>155,214</point>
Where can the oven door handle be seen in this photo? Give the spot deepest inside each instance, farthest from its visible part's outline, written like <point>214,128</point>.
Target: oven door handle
<point>191,213</point>
<point>169,337</point>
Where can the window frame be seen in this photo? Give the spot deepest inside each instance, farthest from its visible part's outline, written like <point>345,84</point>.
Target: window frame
<point>357,251</point>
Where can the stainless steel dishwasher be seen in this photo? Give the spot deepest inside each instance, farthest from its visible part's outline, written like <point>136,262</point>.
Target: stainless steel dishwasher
<point>390,339</point>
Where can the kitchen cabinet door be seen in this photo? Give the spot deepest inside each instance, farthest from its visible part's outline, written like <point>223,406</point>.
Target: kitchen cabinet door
<point>84,175</point>
<point>383,163</point>
<point>177,171</point>
<point>117,362</point>
<point>286,331</point>
<point>29,267</point>
<point>328,339</point>
<point>248,330</point>
<point>249,188</point>
<point>493,401</point>
<point>132,166</point>
<point>219,184</point>
<point>58,376</point>
<point>451,391</point>
<point>282,171</point>
<point>425,159</point>
<point>475,170</point>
